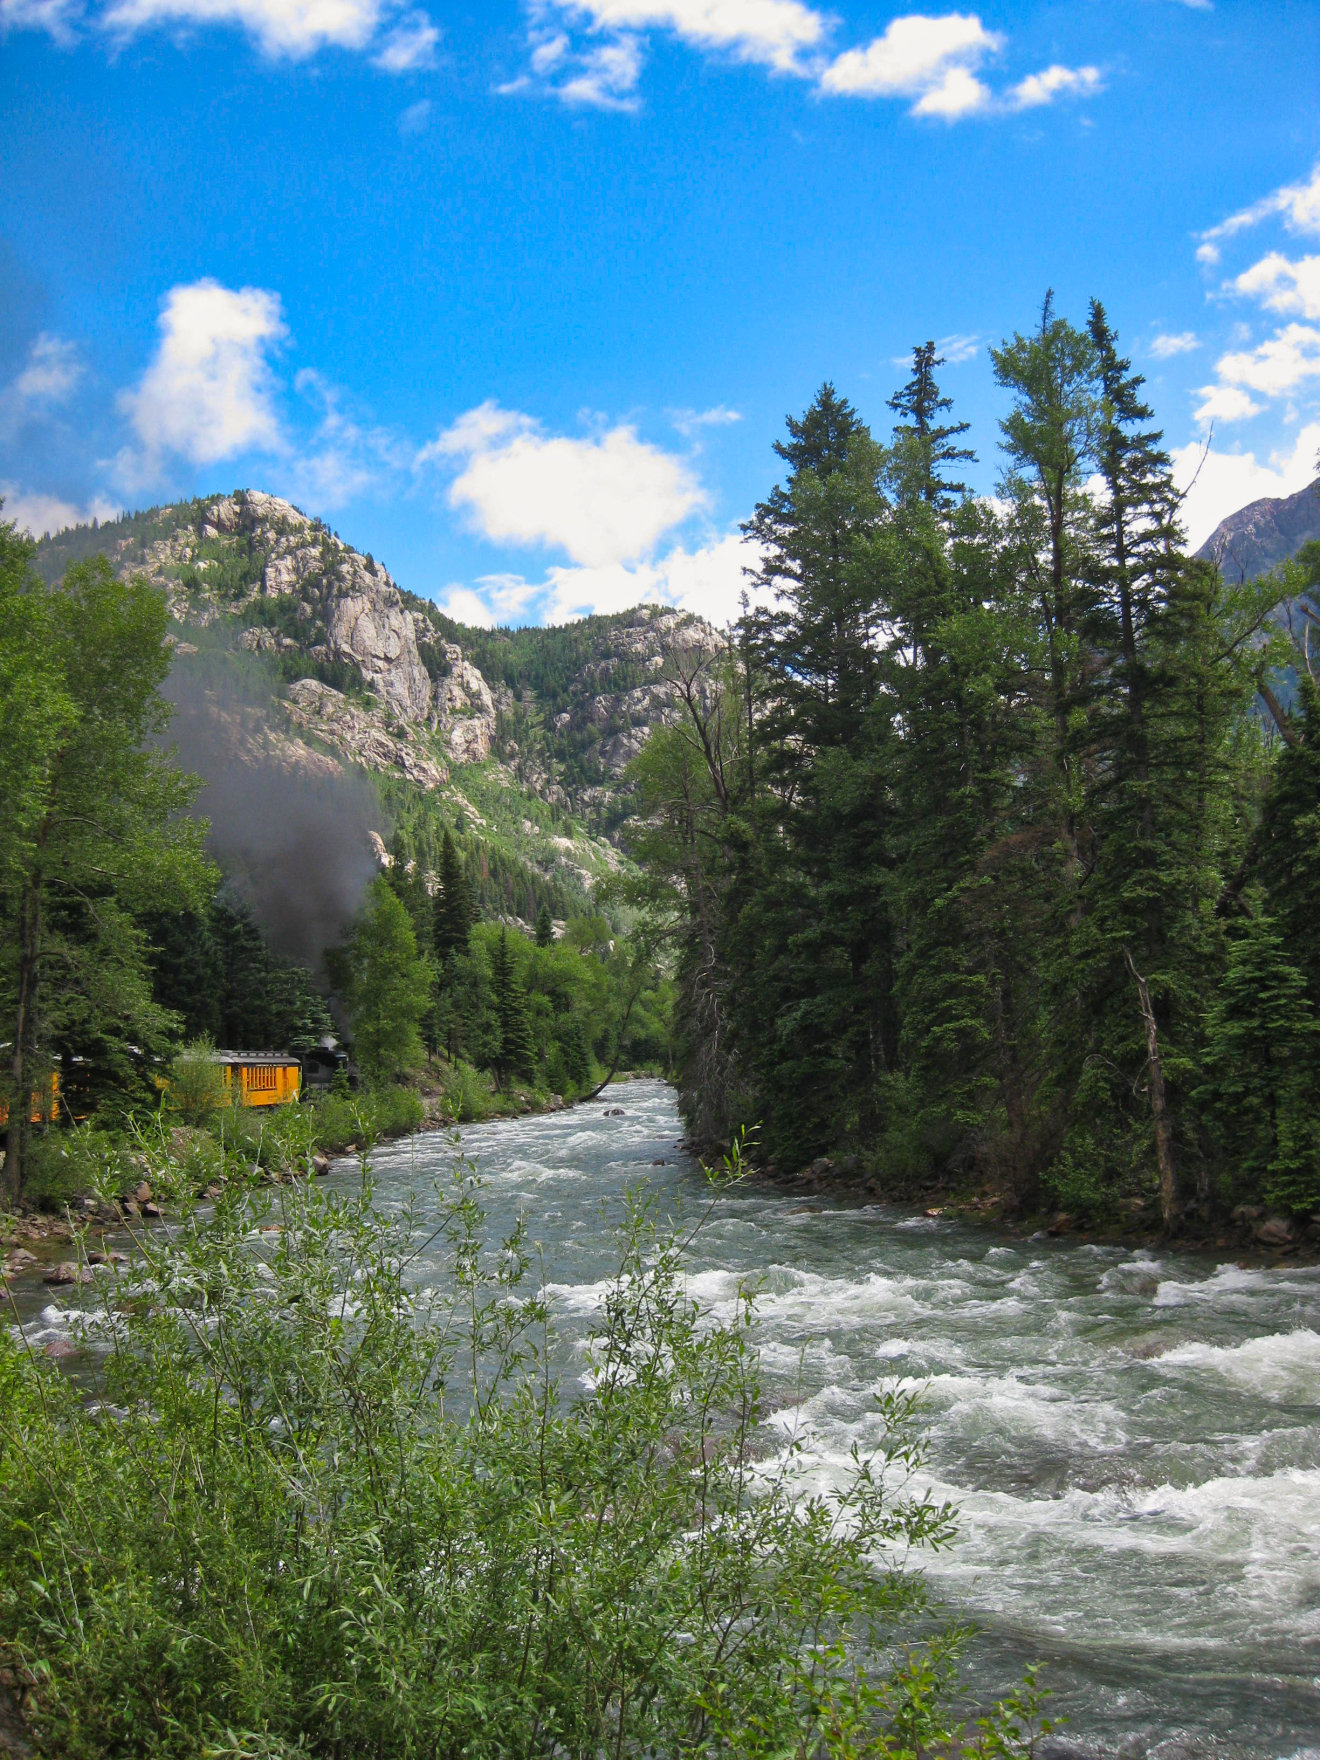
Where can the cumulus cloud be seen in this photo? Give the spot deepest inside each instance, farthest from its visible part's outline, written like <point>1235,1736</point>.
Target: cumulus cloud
<point>1165,346</point>
<point>709,579</point>
<point>1054,82</point>
<point>1222,482</point>
<point>208,393</point>
<point>58,18</point>
<point>1224,403</point>
<point>605,500</point>
<point>590,52</point>
<point>1277,365</point>
<point>1297,204</point>
<point>927,59</point>
<point>773,33</point>
<point>287,29</point>
<point>41,516</point>
<point>1282,285</point>
<point>409,45</point>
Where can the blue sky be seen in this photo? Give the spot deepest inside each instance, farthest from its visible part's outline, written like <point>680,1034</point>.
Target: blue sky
<point>516,296</point>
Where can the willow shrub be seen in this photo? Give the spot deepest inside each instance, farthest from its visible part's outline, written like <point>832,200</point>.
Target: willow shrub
<point>311,1506</point>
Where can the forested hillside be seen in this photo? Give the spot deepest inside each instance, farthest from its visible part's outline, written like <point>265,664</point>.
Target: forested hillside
<point>993,854</point>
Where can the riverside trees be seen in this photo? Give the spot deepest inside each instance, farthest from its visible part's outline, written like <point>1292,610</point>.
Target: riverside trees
<point>959,837</point>
<point>94,830</point>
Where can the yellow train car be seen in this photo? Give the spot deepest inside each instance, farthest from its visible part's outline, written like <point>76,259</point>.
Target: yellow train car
<point>260,1078</point>
<point>45,1102</point>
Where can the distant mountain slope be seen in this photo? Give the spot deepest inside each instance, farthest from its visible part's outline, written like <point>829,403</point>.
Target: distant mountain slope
<point>1264,533</point>
<point>381,676</point>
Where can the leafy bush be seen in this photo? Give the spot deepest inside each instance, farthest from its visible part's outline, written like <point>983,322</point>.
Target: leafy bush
<point>197,1088</point>
<point>316,1509</point>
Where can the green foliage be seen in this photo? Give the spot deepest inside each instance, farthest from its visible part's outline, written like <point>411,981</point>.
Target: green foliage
<point>94,831</point>
<point>214,970</point>
<point>316,1509</point>
<point>1262,1043</point>
<point>197,1090</point>
<point>516,1055</point>
<point>973,768</point>
<point>385,984</point>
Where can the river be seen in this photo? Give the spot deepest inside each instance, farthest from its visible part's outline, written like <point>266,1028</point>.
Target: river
<point>1132,1439</point>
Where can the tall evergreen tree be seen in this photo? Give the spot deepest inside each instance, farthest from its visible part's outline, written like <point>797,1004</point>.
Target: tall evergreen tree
<point>932,441</point>
<point>545,929</point>
<point>453,912</point>
<point>517,1054</point>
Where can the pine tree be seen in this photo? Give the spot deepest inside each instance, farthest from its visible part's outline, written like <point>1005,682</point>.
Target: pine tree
<point>931,440</point>
<point>386,986</point>
<point>452,903</point>
<point>1262,1043</point>
<point>545,930</point>
<point>517,1054</point>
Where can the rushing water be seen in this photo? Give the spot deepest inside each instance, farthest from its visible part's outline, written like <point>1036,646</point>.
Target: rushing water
<point>1133,1441</point>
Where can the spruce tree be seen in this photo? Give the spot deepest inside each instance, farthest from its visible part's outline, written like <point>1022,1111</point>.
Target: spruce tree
<point>932,440</point>
<point>1262,1044</point>
<point>517,1054</point>
<point>545,931</point>
<point>452,903</point>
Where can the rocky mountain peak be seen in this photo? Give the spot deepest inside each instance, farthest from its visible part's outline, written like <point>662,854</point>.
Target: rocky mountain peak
<point>1266,532</point>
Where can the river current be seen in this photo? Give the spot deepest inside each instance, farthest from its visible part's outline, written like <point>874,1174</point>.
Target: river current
<point>1132,1439</point>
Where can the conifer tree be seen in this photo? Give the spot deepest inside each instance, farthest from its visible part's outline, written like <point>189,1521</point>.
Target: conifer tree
<point>453,903</point>
<point>933,441</point>
<point>545,929</point>
<point>517,1054</point>
<point>1262,1044</point>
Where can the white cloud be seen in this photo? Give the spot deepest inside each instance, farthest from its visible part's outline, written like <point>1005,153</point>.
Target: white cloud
<point>959,93</point>
<point>415,118</point>
<point>773,33</point>
<point>43,515</point>
<point>398,42</point>
<point>1224,403</point>
<point>1227,481</point>
<point>605,500</point>
<point>1298,204</point>
<point>208,392</point>
<point>1054,82</point>
<point>56,17</point>
<point>292,28</point>
<point>1165,346</point>
<point>605,77</point>
<point>47,378</point>
<point>408,45</point>
<point>52,371</point>
<point>1277,365</point>
<point>1282,285</point>
<point>918,57</point>
<point>690,421</point>
<point>708,580</point>
<point>955,349</point>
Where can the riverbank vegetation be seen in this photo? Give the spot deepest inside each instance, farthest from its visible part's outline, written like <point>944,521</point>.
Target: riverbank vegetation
<point>991,843</point>
<point>323,1500</point>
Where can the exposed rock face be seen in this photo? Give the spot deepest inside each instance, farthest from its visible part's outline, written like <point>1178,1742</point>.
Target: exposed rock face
<point>1264,533</point>
<point>372,631</point>
<point>464,709</point>
<point>355,730</point>
<point>332,618</point>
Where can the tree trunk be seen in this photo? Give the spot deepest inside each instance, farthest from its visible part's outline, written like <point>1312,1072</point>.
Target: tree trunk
<point>1169,1202</point>
<point>20,1106</point>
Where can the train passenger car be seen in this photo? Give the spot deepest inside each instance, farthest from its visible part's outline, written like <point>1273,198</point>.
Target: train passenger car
<point>45,1101</point>
<point>260,1078</point>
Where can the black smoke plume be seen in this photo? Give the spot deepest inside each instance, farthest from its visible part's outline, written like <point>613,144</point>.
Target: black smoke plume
<point>290,827</point>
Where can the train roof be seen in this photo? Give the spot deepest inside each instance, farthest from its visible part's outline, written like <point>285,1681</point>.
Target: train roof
<point>276,1058</point>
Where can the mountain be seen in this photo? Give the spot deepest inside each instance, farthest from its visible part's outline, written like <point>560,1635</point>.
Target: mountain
<point>1264,533</point>
<point>300,663</point>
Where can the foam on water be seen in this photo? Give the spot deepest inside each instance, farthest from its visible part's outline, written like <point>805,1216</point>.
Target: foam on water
<point>1132,1439</point>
